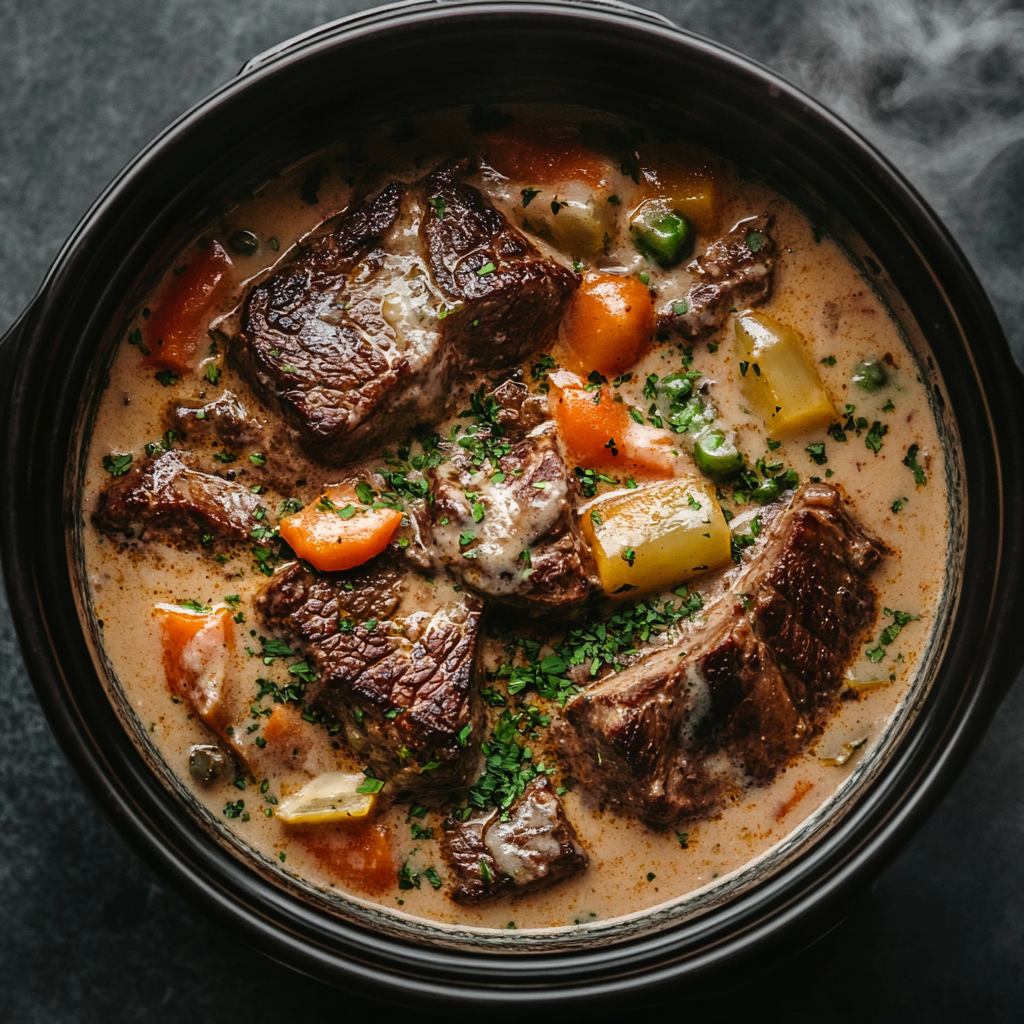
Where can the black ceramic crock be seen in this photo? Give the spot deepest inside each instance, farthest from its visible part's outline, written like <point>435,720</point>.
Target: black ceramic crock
<point>410,58</point>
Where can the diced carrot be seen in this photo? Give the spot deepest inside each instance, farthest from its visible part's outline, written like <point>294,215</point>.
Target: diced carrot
<point>542,158</point>
<point>599,433</point>
<point>286,736</point>
<point>338,532</point>
<point>607,325</point>
<point>176,329</point>
<point>358,854</point>
<point>196,647</point>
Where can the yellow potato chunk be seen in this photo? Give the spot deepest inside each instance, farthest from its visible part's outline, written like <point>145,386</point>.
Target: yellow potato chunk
<point>332,797</point>
<point>688,184</point>
<point>573,218</point>
<point>779,380</point>
<point>656,537</point>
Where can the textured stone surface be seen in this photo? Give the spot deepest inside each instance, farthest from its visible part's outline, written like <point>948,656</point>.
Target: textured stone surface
<point>88,934</point>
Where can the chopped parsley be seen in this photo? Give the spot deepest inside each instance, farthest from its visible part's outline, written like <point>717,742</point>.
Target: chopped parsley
<point>874,436</point>
<point>529,194</point>
<point>910,461</point>
<point>117,465</point>
<point>167,378</point>
<point>508,767</point>
<point>817,453</point>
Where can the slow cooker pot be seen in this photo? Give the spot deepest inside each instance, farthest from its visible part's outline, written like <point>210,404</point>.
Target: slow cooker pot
<point>411,58</point>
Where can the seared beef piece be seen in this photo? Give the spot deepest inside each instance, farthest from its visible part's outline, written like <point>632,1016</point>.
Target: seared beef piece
<point>524,550</point>
<point>668,737</point>
<point>535,847</point>
<point>403,689</point>
<point>168,495</point>
<point>314,336</point>
<point>507,312</point>
<point>224,420</point>
<point>729,274</point>
<point>357,339</point>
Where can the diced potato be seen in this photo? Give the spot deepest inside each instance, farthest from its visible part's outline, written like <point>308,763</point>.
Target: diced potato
<point>657,536</point>
<point>582,220</point>
<point>333,796</point>
<point>779,379</point>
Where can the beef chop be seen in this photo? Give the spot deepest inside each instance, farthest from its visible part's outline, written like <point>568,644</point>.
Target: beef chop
<point>168,494</point>
<point>533,845</point>
<point>511,297</point>
<point>734,271</point>
<point>504,525</point>
<point>222,421</point>
<point>667,738</point>
<point>403,687</point>
<point>361,337</point>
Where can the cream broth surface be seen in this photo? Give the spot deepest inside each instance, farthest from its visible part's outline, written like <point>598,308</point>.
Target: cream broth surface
<point>817,290</point>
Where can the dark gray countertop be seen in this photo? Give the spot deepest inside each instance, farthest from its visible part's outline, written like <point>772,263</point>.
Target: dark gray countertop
<point>87,933</point>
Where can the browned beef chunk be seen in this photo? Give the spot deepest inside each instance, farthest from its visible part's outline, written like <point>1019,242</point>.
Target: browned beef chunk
<point>536,846</point>
<point>224,420</point>
<point>509,310</point>
<point>402,688</point>
<point>315,337</point>
<point>668,737</point>
<point>170,496</point>
<point>358,339</point>
<point>735,271</point>
<point>510,536</point>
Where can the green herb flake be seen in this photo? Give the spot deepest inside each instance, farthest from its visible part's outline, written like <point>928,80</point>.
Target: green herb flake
<point>910,461</point>
<point>371,785</point>
<point>487,268</point>
<point>167,378</point>
<point>873,440</point>
<point>817,453</point>
<point>117,465</point>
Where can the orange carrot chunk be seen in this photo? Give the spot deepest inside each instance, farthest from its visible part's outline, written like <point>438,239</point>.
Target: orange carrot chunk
<point>607,325</point>
<point>338,532</point>
<point>599,434</point>
<point>176,329</point>
<point>196,648</point>
<point>541,158</point>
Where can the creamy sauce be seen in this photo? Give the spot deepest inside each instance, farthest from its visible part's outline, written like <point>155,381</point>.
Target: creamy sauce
<point>816,290</point>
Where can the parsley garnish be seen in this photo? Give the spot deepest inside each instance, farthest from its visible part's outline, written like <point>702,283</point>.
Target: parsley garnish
<point>817,453</point>
<point>910,461</point>
<point>167,378</point>
<point>117,465</point>
<point>875,434</point>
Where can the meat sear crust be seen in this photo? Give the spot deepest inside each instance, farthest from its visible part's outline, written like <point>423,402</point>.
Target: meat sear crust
<point>669,737</point>
<point>168,494</point>
<point>525,550</point>
<point>535,847</point>
<point>225,420</point>
<point>404,691</point>
<point>329,365</point>
<point>733,272</point>
<point>507,312</point>
<point>362,336</point>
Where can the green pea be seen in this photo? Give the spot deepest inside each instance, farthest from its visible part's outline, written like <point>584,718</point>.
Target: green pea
<point>206,762</point>
<point>664,236</point>
<point>870,375</point>
<point>716,455</point>
<point>244,243</point>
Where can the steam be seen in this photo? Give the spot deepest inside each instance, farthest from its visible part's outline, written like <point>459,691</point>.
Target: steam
<point>936,85</point>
